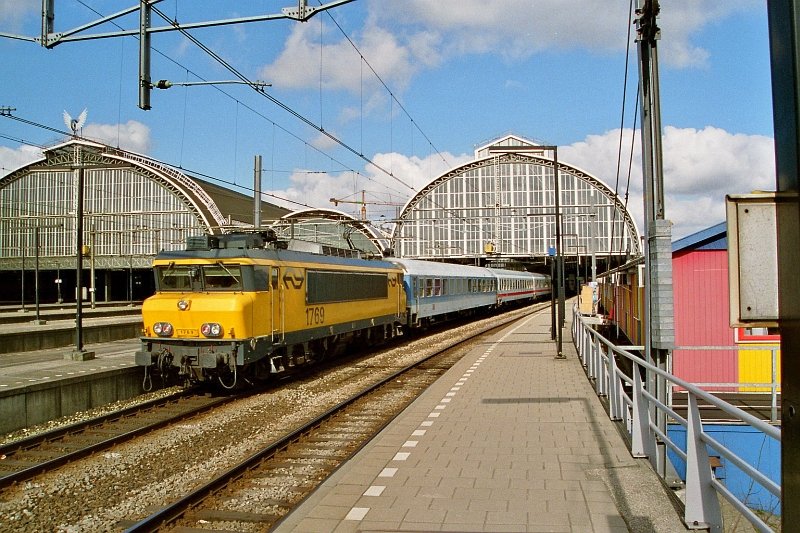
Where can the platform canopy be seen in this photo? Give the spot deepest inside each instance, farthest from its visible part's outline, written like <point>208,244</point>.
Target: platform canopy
<point>502,205</point>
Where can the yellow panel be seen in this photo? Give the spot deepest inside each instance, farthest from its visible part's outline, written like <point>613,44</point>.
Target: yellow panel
<point>587,300</point>
<point>755,366</point>
<point>233,311</point>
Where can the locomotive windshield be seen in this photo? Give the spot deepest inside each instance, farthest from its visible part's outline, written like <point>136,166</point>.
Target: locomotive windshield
<point>199,278</point>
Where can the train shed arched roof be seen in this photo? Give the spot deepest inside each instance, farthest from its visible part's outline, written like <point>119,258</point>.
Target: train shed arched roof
<point>502,205</point>
<point>134,206</point>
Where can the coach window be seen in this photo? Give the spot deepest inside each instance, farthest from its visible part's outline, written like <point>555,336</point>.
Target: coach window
<point>437,287</point>
<point>428,287</point>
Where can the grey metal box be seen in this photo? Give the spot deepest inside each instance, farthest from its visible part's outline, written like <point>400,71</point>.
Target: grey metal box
<point>753,258</point>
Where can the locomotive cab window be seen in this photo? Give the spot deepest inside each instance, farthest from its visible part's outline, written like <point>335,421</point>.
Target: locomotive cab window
<point>199,278</point>
<point>222,277</point>
<point>172,278</point>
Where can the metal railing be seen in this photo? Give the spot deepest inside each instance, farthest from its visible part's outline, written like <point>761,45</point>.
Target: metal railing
<point>773,386</point>
<point>629,401</point>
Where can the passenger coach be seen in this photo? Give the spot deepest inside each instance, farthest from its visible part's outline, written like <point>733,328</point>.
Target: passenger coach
<point>439,291</point>
<point>513,286</point>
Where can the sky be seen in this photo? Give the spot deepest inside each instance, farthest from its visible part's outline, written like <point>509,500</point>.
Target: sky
<point>384,96</point>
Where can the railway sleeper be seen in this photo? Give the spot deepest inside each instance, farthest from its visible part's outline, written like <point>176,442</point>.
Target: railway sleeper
<point>221,515</point>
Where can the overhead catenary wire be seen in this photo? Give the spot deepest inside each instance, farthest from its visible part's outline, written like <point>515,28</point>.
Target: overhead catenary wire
<point>175,24</point>
<point>233,70</point>
<point>360,154</point>
<point>391,93</point>
<point>622,130</point>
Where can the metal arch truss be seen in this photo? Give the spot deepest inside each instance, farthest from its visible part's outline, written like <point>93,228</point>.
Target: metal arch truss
<point>604,189</point>
<point>179,184</point>
<point>196,208</point>
<point>365,228</point>
<point>97,155</point>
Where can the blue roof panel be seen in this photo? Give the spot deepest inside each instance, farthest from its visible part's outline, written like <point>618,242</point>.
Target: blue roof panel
<point>713,238</point>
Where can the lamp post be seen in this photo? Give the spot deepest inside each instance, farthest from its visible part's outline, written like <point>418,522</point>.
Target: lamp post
<point>79,354</point>
<point>22,278</point>
<point>59,299</point>
<point>36,240</point>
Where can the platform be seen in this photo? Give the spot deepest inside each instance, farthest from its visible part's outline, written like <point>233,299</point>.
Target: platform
<point>20,333</point>
<point>38,386</point>
<point>509,439</point>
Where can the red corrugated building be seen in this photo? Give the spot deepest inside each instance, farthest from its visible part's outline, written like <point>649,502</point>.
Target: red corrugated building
<point>701,295</point>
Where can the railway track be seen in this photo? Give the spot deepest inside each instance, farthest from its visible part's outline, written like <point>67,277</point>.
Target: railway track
<point>255,494</point>
<point>114,489</point>
<point>24,459</point>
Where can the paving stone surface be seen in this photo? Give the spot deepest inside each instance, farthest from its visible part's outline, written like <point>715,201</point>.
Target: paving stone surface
<point>509,439</point>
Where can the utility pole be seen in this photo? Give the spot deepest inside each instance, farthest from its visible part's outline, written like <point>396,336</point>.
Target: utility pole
<point>559,261</point>
<point>257,192</point>
<point>145,16</point>
<point>659,327</point>
<point>784,26</point>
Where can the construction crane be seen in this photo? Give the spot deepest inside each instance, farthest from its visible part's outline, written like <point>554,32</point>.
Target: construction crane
<point>363,202</point>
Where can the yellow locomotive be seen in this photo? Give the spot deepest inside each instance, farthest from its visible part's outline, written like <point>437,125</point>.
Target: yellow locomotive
<point>236,307</point>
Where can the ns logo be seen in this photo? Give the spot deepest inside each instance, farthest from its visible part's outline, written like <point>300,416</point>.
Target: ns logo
<point>294,278</point>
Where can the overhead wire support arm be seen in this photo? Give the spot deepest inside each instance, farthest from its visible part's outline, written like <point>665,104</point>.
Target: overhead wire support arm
<point>166,84</point>
<point>50,39</point>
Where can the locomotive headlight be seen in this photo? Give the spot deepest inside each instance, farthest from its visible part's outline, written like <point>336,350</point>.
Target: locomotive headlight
<point>211,329</point>
<point>163,329</point>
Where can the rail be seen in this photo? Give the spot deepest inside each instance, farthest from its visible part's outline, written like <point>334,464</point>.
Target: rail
<point>630,402</point>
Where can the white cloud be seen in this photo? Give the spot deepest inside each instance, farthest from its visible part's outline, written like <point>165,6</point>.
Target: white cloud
<point>513,28</point>
<point>700,168</point>
<point>399,39</point>
<point>133,135</point>
<point>384,194</point>
<point>517,29</point>
<point>11,159</point>
<point>298,65</point>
